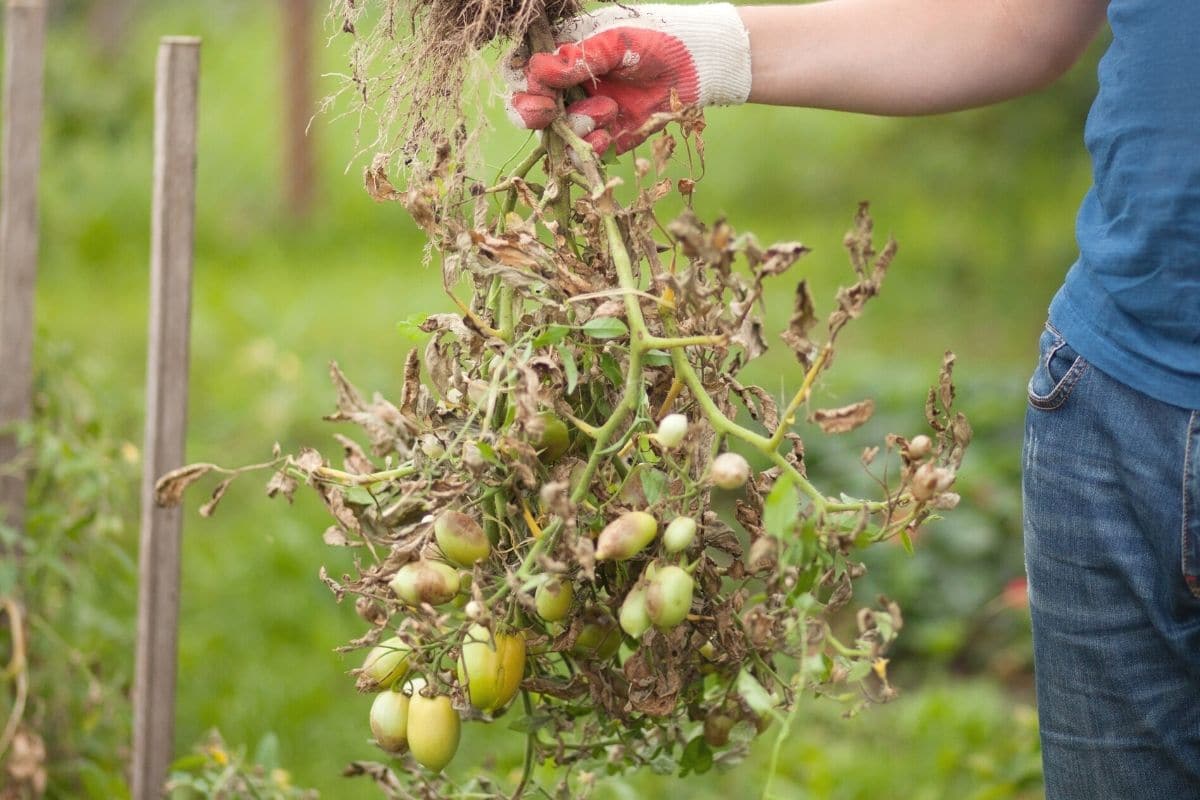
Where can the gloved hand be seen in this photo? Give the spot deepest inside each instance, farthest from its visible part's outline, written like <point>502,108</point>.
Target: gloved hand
<point>628,60</point>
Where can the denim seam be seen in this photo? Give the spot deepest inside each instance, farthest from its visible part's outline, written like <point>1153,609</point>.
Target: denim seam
<point>1192,580</point>
<point>1062,390</point>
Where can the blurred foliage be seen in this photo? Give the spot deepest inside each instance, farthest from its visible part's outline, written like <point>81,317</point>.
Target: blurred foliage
<point>213,772</point>
<point>77,583</point>
<point>982,203</point>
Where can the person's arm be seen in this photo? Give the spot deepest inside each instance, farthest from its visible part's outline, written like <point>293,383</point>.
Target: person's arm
<point>896,57</point>
<point>902,57</point>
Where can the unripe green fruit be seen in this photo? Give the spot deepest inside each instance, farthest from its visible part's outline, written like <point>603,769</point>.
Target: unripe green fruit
<point>669,597</point>
<point>553,599</point>
<point>679,535</point>
<point>461,539</point>
<point>433,730</point>
<point>730,471</point>
<point>554,440</point>
<point>717,726</point>
<point>384,665</point>
<point>491,667</point>
<point>598,640</point>
<point>626,536</point>
<point>389,721</point>
<point>671,430</point>
<point>634,619</point>
<point>425,581</point>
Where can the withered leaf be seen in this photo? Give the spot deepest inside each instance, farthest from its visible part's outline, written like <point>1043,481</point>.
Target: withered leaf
<point>169,489</point>
<point>844,419</point>
<point>336,537</point>
<point>282,483</point>
<point>801,322</point>
<point>208,508</point>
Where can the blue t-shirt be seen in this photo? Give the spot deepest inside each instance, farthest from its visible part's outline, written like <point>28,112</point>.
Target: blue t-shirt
<point>1131,303</point>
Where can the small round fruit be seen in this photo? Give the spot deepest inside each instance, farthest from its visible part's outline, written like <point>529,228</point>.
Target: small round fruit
<point>598,640</point>
<point>671,430</point>
<point>717,726</point>
<point>633,618</point>
<point>669,597</point>
<point>554,439</point>
<point>920,446</point>
<point>425,581</point>
<point>461,539</point>
<point>491,667</point>
<point>679,534</point>
<point>626,536</point>
<point>384,665</point>
<point>553,599</point>
<point>730,471</point>
<point>389,721</point>
<point>433,730</point>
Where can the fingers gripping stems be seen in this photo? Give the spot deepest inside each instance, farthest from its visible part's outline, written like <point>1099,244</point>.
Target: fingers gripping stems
<point>630,61</point>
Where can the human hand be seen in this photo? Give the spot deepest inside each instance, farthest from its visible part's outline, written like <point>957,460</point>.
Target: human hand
<point>629,61</point>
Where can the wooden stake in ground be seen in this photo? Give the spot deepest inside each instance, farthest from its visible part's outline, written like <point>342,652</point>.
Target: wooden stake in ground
<point>172,231</point>
<point>299,168</point>
<point>24,44</point>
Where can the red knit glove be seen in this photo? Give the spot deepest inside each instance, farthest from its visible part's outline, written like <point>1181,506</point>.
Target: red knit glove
<point>629,60</point>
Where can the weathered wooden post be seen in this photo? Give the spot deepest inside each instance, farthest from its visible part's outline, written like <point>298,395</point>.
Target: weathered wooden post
<point>171,241</point>
<point>24,45</point>
<point>299,164</point>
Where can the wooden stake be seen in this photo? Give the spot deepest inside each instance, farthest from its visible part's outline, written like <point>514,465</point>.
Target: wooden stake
<point>299,165</point>
<point>24,45</point>
<point>171,242</point>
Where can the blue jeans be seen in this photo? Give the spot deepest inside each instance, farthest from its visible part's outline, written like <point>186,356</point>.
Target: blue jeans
<point>1112,548</point>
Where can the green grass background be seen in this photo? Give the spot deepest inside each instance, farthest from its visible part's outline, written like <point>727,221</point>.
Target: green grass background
<point>982,204</point>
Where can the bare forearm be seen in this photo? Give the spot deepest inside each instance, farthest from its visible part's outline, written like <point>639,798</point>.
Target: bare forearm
<point>905,57</point>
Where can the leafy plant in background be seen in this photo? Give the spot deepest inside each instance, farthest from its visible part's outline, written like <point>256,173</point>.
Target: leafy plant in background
<point>214,772</point>
<point>70,598</point>
<point>537,517</point>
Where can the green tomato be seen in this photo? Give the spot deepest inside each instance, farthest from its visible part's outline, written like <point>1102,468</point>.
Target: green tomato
<point>626,536</point>
<point>424,581</point>
<point>553,599</point>
<point>433,730</point>
<point>389,721</point>
<point>634,619</point>
<point>598,640</point>
<point>491,667</point>
<point>384,665</point>
<point>679,535</point>
<point>669,597</point>
<point>554,440</point>
<point>461,539</point>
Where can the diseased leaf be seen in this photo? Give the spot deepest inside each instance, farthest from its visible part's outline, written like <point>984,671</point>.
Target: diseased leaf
<point>208,508</point>
<point>844,419</point>
<point>169,489</point>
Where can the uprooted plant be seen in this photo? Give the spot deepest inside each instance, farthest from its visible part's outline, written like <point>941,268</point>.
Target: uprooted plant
<point>537,513</point>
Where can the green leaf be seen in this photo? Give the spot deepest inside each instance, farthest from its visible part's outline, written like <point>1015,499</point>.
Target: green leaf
<point>657,358</point>
<point>267,751</point>
<point>697,757</point>
<point>569,367</point>
<point>410,327</point>
<point>653,483</point>
<point>552,335</point>
<point>906,541</point>
<point>358,496</point>
<point>605,328</point>
<point>611,370</point>
<point>781,508</point>
<point>488,452</point>
<point>758,698</point>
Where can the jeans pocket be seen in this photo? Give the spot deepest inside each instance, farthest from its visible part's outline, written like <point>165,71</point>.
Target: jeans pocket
<point>1191,506</point>
<point>1058,371</point>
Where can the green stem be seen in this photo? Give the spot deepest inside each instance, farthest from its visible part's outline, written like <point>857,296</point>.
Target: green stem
<point>669,342</point>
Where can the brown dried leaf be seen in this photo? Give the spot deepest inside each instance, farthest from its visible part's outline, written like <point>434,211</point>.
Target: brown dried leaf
<point>375,178</point>
<point>844,419</point>
<point>208,508</point>
<point>169,489</point>
<point>803,318</point>
<point>282,483</point>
